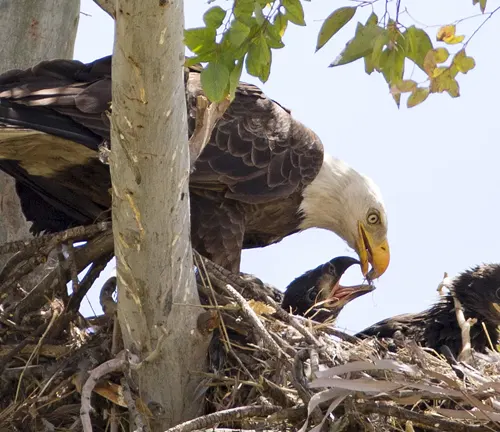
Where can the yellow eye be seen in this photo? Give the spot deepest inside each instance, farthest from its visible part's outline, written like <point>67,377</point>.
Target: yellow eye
<point>373,218</point>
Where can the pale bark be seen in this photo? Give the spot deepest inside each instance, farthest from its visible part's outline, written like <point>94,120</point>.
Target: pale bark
<point>31,31</point>
<point>150,175</point>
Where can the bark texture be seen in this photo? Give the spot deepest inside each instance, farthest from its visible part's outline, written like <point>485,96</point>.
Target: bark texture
<point>31,31</point>
<point>158,303</point>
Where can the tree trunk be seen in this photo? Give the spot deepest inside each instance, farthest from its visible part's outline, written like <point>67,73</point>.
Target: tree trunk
<point>158,303</point>
<point>33,30</point>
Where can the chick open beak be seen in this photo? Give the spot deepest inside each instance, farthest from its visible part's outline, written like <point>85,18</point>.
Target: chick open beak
<point>341,295</point>
<point>378,255</point>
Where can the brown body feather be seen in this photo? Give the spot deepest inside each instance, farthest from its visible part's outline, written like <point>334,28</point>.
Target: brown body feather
<point>245,189</point>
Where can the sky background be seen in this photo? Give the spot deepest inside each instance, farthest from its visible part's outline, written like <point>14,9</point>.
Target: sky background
<point>437,164</point>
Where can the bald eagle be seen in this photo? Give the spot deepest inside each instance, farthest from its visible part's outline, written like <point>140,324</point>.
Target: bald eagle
<point>478,290</point>
<point>262,176</point>
<point>318,293</point>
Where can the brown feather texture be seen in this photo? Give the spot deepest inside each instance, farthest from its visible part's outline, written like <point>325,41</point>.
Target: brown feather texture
<point>262,176</point>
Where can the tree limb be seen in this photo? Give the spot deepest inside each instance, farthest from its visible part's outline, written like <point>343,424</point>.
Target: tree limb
<point>207,116</point>
<point>428,421</point>
<point>234,414</point>
<point>107,6</point>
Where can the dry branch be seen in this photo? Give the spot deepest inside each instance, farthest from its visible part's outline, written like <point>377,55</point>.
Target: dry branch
<point>207,116</point>
<point>249,372</point>
<point>234,414</point>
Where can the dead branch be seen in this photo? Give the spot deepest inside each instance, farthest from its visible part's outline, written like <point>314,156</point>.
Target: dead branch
<point>97,267</point>
<point>76,234</point>
<point>427,421</point>
<point>119,363</point>
<point>132,408</point>
<point>465,325</point>
<point>234,414</point>
<point>207,116</point>
<point>107,6</point>
<point>254,319</point>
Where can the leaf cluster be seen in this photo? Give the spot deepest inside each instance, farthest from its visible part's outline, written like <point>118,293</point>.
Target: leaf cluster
<point>253,28</point>
<point>245,36</point>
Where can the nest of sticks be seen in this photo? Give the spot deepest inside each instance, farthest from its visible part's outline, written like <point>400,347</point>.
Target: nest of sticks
<point>268,370</point>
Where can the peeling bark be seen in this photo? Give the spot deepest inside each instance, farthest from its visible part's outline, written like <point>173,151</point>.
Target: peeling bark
<point>158,304</point>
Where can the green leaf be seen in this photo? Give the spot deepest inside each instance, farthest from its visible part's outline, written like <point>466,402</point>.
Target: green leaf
<point>372,19</point>
<point>215,80</point>
<point>200,40</point>
<point>417,97</point>
<point>294,11</point>
<point>418,45</point>
<point>280,22</point>
<point>463,63</point>
<point>273,36</point>
<point>393,67</point>
<point>204,58</point>
<point>369,66</point>
<point>378,45</point>
<point>234,78</point>
<point>333,24</point>
<point>391,64</point>
<point>243,9</point>
<point>237,33</point>
<point>359,46</point>
<point>482,4</point>
<point>445,82</point>
<point>258,60</point>
<point>214,17</point>
<point>405,86</point>
<point>259,16</point>
<point>441,55</point>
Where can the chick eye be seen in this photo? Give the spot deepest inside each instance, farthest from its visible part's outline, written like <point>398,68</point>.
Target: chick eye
<point>311,295</point>
<point>373,218</point>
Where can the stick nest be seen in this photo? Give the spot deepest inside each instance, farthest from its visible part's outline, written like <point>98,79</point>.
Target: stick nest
<point>267,369</point>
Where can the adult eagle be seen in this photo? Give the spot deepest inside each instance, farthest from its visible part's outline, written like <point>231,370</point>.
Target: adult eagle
<point>262,176</point>
<point>478,290</point>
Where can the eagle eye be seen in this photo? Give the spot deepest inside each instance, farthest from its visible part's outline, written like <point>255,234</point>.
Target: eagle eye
<point>373,218</point>
<point>311,295</point>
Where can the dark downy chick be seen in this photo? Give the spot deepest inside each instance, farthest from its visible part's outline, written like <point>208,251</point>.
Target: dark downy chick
<point>477,289</point>
<point>318,295</point>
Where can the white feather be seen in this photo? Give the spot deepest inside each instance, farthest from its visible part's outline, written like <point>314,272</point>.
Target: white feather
<point>338,198</point>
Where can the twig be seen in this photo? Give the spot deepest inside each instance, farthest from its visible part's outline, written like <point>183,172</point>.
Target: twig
<point>222,277</point>
<point>97,267</point>
<point>207,115</point>
<point>57,308</point>
<point>132,408</point>
<point>234,414</point>
<point>107,6</point>
<point>465,325</point>
<point>254,319</point>
<point>75,234</point>
<point>119,363</point>
<point>73,271</point>
<point>299,382</point>
<point>4,361</point>
<point>430,422</point>
<point>444,284</point>
<point>490,15</point>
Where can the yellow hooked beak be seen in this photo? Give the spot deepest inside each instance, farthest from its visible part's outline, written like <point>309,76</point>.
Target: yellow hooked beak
<point>378,255</point>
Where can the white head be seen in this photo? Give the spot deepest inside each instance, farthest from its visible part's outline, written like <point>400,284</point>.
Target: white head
<point>350,204</point>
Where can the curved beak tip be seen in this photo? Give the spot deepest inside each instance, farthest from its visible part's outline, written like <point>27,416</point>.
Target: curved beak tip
<point>378,256</point>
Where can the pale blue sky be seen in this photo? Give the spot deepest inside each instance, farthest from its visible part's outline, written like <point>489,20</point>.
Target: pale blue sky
<point>437,164</point>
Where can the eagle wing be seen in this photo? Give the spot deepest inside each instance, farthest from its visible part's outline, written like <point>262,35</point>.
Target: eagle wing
<point>258,152</point>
